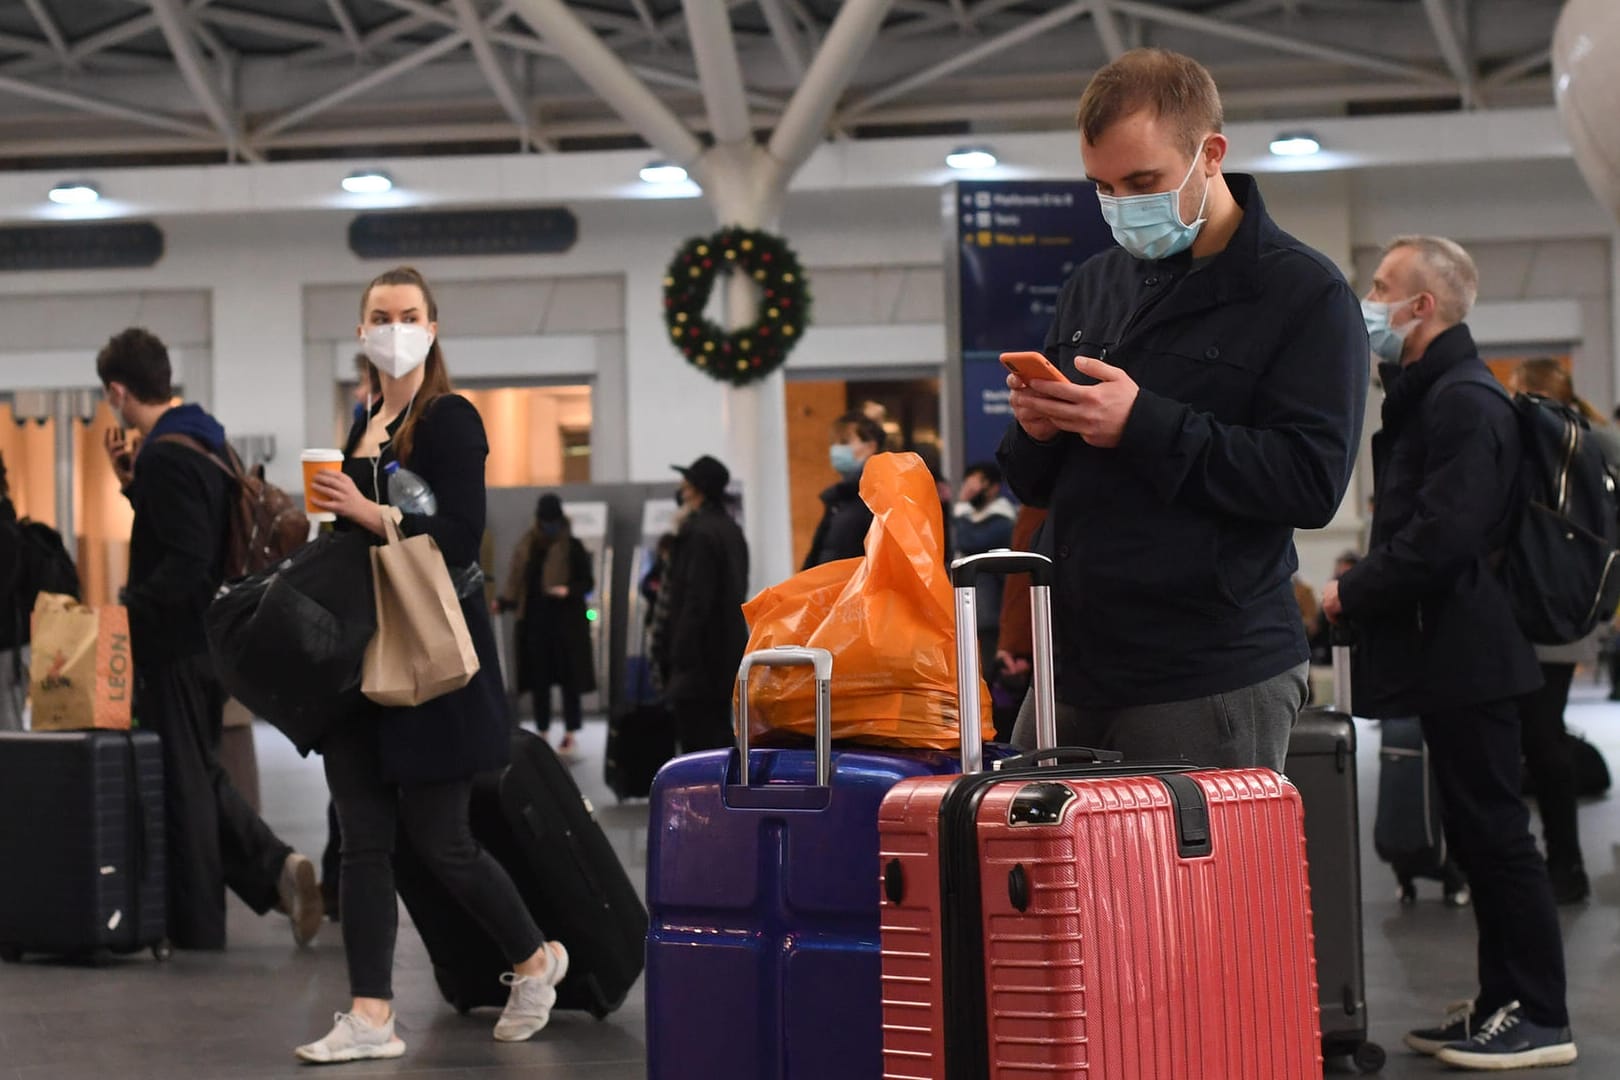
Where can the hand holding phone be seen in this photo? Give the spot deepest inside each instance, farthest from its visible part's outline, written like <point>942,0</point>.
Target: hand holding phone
<point>121,452</point>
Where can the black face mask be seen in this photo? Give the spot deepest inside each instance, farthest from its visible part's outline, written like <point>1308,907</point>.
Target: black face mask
<point>980,501</point>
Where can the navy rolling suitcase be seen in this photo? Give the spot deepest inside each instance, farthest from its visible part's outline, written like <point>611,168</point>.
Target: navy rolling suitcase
<point>535,822</point>
<point>1407,831</point>
<point>82,845</point>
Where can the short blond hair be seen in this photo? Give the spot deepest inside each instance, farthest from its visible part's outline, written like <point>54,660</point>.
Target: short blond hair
<point>1176,88</point>
<point>1446,270</point>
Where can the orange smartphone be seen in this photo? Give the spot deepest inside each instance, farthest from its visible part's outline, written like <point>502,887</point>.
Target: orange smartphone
<point>1032,367</point>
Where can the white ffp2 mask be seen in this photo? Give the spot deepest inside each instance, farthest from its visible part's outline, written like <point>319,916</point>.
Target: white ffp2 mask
<point>397,348</point>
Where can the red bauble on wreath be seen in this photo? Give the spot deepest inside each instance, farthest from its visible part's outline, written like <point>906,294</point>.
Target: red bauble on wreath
<point>784,310</point>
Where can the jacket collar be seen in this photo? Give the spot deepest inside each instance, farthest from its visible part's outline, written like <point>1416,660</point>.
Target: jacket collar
<point>1234,272</point>
<point>1405,388</point>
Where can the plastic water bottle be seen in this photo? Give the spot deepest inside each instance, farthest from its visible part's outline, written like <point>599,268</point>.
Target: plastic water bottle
<point>408,492</point>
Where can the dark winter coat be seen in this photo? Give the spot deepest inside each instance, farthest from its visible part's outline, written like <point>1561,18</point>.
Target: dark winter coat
<point>978,531</point>
<point>553,633</point>
<point>1434,626</point>
<point>468,731</point>
<point>182,505</point>
<point>1175,549</point>
<point>702,642</point>
<point>844,523</point>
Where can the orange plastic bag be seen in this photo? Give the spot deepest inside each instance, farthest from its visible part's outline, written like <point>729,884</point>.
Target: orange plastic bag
<point>889,619</point>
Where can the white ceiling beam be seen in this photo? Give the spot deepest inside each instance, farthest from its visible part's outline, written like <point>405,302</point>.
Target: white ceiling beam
<point>272,26</point>
<point>804,124</point>
<point>994,46</point>
<point>66,98</point>
<point>1201,24</point>
<point>114,35</point>
<point>176,26</point>
<point>52,32</point>
<point>808,20</point>
<point>398,128</point>
<point>654,31</point>
<point>714,47</point>
<point>1102,17</point>
<point>385,74</point>
<point>345,21</point>
<point>477,37</point>
<point>38,50</point>
<point>1452,51</point>
<point>1514,70</point>
<point>785,36</point>
<point>649,73</point>
<point>370,41</point>
<point>613,81</point>
<point>981,11</point>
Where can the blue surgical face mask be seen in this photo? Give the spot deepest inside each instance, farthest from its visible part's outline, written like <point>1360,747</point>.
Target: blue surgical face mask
<point>1150,226</point>
<point>843,460</point>
<point>1387,341</point>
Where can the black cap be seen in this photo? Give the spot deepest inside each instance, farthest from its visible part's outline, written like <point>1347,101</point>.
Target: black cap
<point>549,508</point>
<point>707,475</point>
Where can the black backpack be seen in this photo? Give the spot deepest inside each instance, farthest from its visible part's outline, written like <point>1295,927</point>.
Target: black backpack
<point>1561,564</point>
<point>41,563</point>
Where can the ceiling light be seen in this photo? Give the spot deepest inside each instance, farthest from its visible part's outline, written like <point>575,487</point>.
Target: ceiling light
<point>971,157</point>
<point>74,193</point>
<point>662,172</point>
<point>1296,144</point>
<point>368,182</point>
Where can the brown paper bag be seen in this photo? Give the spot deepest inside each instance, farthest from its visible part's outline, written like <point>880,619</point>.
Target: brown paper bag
<point>422,649</point>
<point>81,674</point>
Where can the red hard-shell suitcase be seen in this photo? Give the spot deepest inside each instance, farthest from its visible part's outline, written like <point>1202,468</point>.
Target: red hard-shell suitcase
<point>1129,922</point>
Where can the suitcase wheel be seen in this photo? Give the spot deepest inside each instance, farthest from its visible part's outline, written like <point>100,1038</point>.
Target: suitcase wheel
<point>162,951</point>
<point>1369,1058</point>
<point>10,954</point>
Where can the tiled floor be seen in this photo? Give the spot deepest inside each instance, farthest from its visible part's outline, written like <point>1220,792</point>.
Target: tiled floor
<point>238,1015</point>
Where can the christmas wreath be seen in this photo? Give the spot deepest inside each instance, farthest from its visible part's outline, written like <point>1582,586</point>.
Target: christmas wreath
<point>736,356</point>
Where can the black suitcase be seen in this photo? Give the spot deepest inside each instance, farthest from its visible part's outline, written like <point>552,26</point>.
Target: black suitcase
<point>83,844</point>
<point>1322,765</point>
<point>640,739</point>
<point>533,820</point>
<point>1407,830</point>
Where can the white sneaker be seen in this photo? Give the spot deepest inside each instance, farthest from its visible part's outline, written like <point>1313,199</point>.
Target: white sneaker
<point>528,1008</point>
<point>299,895</point>
<point>353,1038</point>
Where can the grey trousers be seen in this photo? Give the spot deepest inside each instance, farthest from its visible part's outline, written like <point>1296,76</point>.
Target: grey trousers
<point>1236,729</point>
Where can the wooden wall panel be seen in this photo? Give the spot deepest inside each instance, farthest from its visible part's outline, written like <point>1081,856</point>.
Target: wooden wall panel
<point>811,409</point>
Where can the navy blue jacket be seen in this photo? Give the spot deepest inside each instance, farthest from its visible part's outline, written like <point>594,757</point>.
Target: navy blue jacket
<point>1175,549</point>
<point>1434,626</point>
<point>467,731</point>
<point>182,503</point>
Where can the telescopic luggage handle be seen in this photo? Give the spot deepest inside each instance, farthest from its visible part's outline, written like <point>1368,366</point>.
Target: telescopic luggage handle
<point>790,656</point>
<point>964,577</point>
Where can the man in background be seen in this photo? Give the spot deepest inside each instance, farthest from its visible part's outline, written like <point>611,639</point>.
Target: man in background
<point>182,498</point>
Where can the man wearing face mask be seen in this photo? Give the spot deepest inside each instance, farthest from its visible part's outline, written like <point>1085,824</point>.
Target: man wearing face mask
<point>181,500</point>
<point>1215,375</point>
<point>1437,638</point>
<point>699,633</point>
<point>842,531</point>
